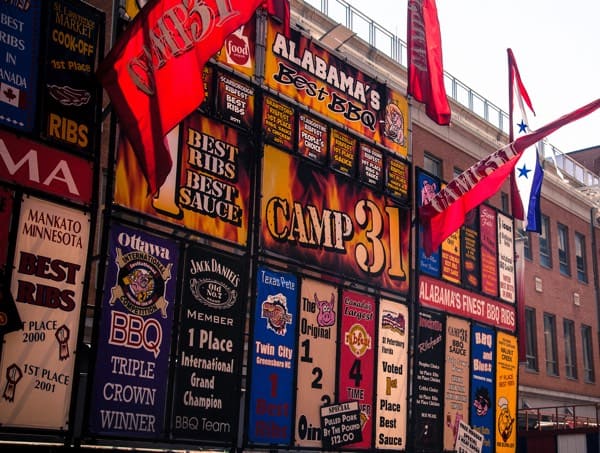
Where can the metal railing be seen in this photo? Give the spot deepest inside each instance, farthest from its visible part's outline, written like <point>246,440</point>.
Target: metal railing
<point>559,418</point>
<point>391,45</point>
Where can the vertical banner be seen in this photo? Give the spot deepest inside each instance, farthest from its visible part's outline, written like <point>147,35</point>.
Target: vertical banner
<point>456,380</point>
<point>208,373</point>
<point>489,250</point>
<point>427,415</point>
<point>427,187</point>
<point>312,138</point>
<point>450,257</point>
<point>235,101</point>
<point>317,340</point>
<point>470,248</point>
<point>272,357</point>
<point>506,258</point>
<point>397,176</point>
<point>19,63</point>
<point>36,370</point>
<point>278,123</point>
<point>342,152</point>
<point>356,362</point>
<point>134,341</point>
<point>507,367</point>
<point>70,99</point>
<point>392,371</point>
<point>370,165</point>
<point>482,384</point>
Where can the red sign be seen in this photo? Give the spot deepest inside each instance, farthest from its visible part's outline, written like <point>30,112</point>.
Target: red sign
<point>31,164</point>
<point>455,300</point>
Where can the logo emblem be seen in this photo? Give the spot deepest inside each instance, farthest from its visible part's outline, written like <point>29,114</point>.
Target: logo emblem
<point>275,311</point>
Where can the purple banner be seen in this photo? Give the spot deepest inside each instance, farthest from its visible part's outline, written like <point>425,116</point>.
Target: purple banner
<point>134,342</point>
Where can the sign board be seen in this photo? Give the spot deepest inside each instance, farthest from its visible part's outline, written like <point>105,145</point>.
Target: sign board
<point>468,440</point>
<point>341,425</point>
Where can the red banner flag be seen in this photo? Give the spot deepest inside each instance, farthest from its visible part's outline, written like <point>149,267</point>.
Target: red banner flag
<point>153,74</point>
<point>447,209</point>
<point>425,67</point>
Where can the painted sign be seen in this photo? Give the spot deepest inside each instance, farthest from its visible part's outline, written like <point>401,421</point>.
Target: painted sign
<point>392,376</point>
<point>37,364</point>
<point>322,219</point>
<point>131,367</point>
<point>455,300</point>
<point>317,344</point>
<point>272,358</point>
<point>208,373</point>
<point>483,348</point>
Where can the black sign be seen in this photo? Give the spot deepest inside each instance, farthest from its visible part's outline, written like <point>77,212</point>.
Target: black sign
<point>340,425</point>
<point>208,371</point>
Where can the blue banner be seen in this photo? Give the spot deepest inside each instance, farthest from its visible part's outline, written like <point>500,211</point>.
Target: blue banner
<point>132,363</point>
<point>427,187</point>
<point>272,358</point>
<point>19,63</point>
<point>483,386</point>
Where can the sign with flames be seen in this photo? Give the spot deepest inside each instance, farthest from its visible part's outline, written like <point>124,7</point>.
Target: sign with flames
<point>325,220</point>
<point>208,191</point>
<point>305,72</point>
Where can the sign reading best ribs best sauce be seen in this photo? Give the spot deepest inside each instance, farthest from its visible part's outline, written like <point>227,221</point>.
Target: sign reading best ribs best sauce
<point>207,374</point>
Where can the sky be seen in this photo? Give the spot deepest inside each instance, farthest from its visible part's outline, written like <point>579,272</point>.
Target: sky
<point>556,45</point>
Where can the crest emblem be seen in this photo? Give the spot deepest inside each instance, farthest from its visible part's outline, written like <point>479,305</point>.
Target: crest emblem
<point>275,311</point>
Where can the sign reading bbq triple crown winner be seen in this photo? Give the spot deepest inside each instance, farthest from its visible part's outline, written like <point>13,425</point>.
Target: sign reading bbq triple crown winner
<point>272,357</point>
<point>208,372</point>
<point>36,370</point>
<point>134,342</point>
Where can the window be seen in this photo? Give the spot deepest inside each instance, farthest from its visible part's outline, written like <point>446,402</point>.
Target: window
<point>580,258</point>
<point>504,201</point>
<point>588,356</point>
<point>563,250</point>
<point>550,341</point>
<point>432,165</point>
<point>531,345</point>
<point>457,172</point>
<point>527,246</point>
<point>544,241</point>
<point>570,351</point>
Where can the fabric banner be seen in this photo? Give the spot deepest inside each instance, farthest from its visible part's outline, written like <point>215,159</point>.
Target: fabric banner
<point>211,346</point>
<point>428,374</point>
<point>272,358</point>
<point>19,64</point>
<point>323,220</point>
<point>471,251</point>
<point>391,410</point>
<point>450,258</point>
<point>357,359</point>
<point>488,226</point>
<point>235,101</point>
<point>278,123</point>
<point>427,187</point>
<point>316,372</point>
<point>483,385</point>
<point>131,367</point>
<point>456,379</point>
<point>312,138</point>
<point>507,369</point>
<point>37,364</point>
<point>506,258</point>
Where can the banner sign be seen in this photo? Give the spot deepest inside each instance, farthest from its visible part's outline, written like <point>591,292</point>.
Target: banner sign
<point>456,379</point>
<point>19,63</point>
<point>392,376</point>
<point>428,415</point>
<point>507,368</point>
<point>506,258</point>
<point>450,257</point>
<point>341,425</point>
<point>6,208</point>
<point>325,220</point>
<point>208,192</point>
<point>427,187</point>
<point>342,152</point>
<point>132,363</point>
<point>71,91</point>
<point>470,248</point>
<point>279,123</point>
<point>317,339</point>
<point>370,165</point>
<point>272,358</point>
<point>458,301</point>
<point>235,101</point>
<point>397,178</point>
<point>312,138</point>
<point>468,440</point>
<point>305,72</point>
<point>37,364</point>
<point>211,345</point>
<point>36,166</point>
<point>238,51</point>
<point>489,250</point>
<point>482,384</point>
<point>357,359</point>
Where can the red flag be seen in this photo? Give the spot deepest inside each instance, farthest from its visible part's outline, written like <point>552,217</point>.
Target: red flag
<point>153,74</point>
<point>447,209</point>
<point>425,67</point>
<point>281,10</point>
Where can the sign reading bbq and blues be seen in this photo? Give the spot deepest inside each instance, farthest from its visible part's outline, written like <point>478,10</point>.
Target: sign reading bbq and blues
<point>208,373</point>
<point>132,363</point>
<point>272,358</point>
